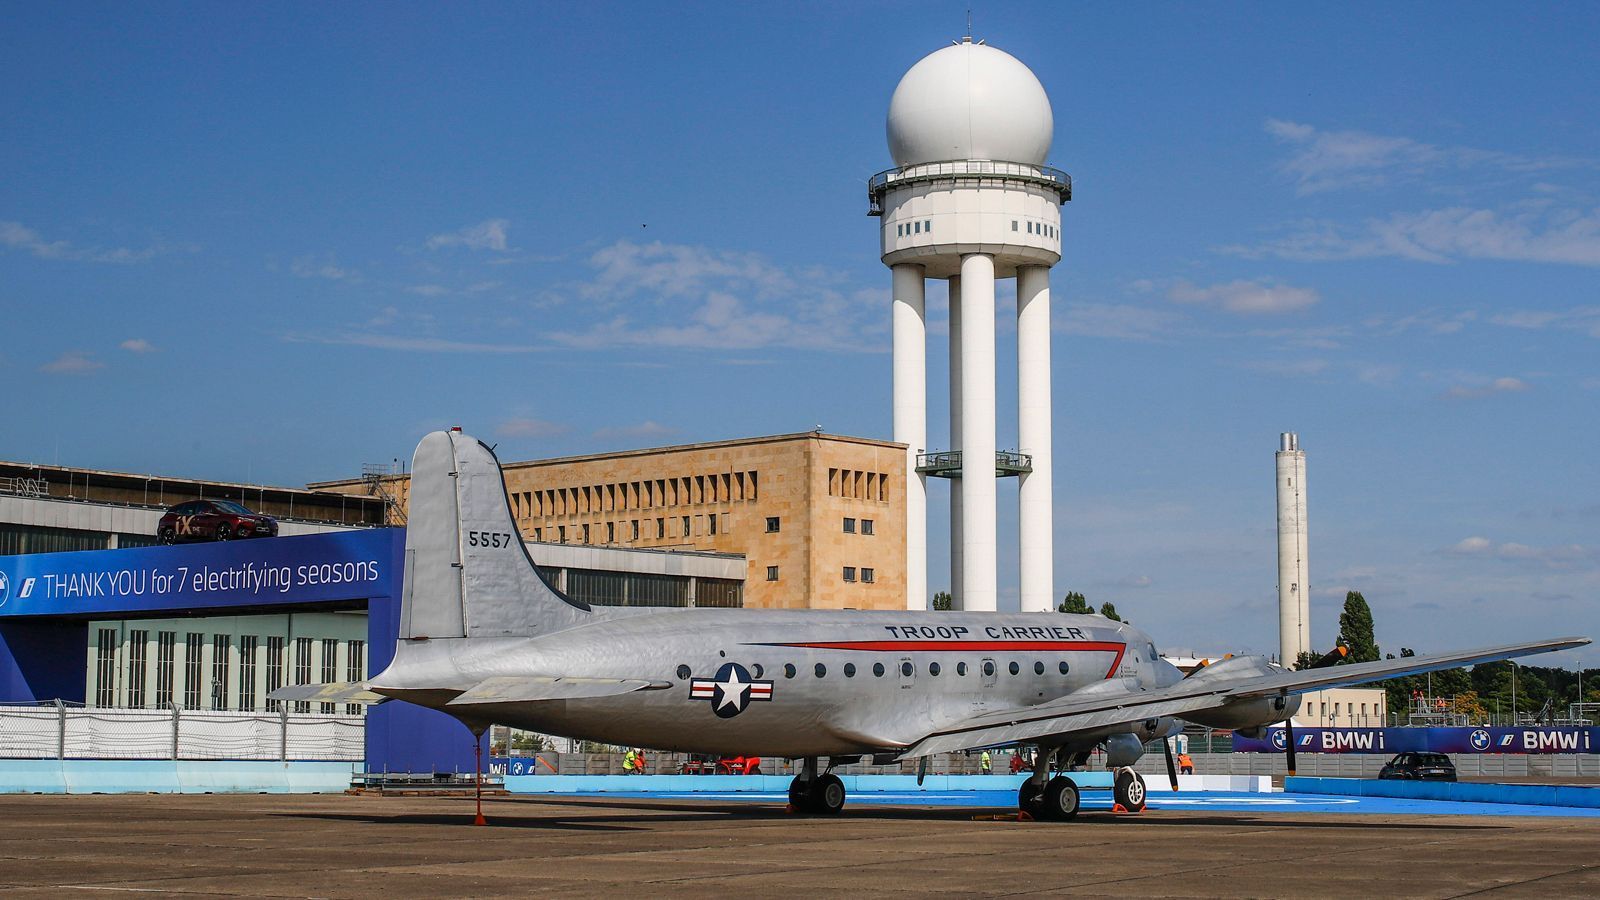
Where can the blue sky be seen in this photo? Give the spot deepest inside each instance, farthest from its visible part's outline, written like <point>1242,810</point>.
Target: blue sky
<point>274,244</point>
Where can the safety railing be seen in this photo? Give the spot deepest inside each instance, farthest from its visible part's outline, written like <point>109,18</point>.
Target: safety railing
<point>65,731</point>
<point>959,169</point>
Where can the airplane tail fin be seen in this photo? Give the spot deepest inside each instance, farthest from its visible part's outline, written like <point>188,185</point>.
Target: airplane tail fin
<point>467,572</point>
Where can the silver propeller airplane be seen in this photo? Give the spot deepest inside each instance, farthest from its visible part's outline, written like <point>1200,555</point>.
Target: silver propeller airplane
<point>484,638</point>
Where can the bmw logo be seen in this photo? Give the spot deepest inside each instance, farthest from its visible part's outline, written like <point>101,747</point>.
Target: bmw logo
<point>1479,739</point>
<point>1278,740</point>
<point>5,588</point>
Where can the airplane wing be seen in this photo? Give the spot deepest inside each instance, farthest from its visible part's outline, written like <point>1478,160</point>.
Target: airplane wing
<point>1075,713</point>
<point>530,688</point>
<point>340,692</point>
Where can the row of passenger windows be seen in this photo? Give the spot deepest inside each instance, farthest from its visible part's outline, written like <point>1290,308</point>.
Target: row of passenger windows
<point>906,669</point>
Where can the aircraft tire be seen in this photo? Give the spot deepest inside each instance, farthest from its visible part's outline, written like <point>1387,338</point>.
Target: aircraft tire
<point>827,796</point>
<point>799,796</point>
<point>1030,799</point>
<point>1060,801</point>
<point>1130,790</point>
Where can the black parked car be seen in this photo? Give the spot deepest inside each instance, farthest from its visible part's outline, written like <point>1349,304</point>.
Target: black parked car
<point>1419,767</point>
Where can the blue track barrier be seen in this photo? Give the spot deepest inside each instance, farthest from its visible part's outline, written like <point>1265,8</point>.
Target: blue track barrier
<point>164,776</point>
<point>720,784</point>
<point>1467,792</point>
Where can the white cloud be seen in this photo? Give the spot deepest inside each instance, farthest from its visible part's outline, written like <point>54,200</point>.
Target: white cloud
<point>523,426</point>
<point>1246,297</point>
<point>396,342</point>
<point>649,430</point>
<point>312,267</point>
<point>1560,556</point>
<point>72,362</point>
<point>1327,160</point>
<point>20,237</point>
<point>680,296</point>
<point>1117,321</point>
<point>486,235</point>
<point>1506,385</point>
<point>1582,319</point>
<point>1570,237</point>
<point>137,345</point>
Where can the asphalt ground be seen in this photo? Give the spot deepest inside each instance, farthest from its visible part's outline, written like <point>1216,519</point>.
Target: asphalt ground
<point>609,846</point>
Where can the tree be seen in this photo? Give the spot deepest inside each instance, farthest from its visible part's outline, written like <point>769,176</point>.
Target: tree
<point>942,601</point>
<point>1109,610</point>
<point>1304,660</point>
<point>1074,603</point>
<point>1355,629</point>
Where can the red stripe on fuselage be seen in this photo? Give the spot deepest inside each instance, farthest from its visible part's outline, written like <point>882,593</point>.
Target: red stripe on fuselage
<point>968,646</point>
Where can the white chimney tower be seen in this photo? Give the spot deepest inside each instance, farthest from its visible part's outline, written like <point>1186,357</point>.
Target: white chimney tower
<point>1294,607</point>
<point>972,201</point>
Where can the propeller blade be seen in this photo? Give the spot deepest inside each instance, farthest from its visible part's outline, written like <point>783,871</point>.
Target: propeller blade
<point>1336,655</point>
<point>1288,742</point>
<point>1172,767</point>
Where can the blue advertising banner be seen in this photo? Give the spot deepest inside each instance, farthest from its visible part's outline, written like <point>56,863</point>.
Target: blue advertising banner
<point>341,565</point>
<point>1525,739</point>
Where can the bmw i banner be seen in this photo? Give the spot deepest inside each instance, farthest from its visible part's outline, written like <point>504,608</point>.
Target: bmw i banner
<point>1524,739</point>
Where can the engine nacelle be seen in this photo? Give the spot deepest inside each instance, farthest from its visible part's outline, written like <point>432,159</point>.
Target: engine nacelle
<point>1247,717</point>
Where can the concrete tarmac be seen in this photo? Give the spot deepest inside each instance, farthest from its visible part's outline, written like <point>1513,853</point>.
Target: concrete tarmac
<point>400,847</point>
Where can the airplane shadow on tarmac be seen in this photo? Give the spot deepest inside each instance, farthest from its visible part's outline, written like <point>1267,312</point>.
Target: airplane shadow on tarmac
<point>515,813</point>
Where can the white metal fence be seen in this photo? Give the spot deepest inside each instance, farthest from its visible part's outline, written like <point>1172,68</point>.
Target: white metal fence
<point>61,731</point>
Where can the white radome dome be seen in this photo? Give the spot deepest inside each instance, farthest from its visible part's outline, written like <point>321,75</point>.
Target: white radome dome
<point>970,101</point>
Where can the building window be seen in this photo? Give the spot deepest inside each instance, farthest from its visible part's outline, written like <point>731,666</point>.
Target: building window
<point>927,225</point>
<point>538,534</point>
<point>585,534</point>
<point>686,526</point>
<point>1013,224</point>
<point>661,528</point>
<point>105,668</point>
<point>136,659</point>
<point>772,573</point>
<point>274,670</point>
<point>193,645</point>
<point>849,526</point>
<point>866,526</point>
<point>869,575</point>
<point>635,524</point>
<point>355,669</point>
<point>330,669</point>
<point>247,671</point>
<point>611,532</point>
<point>849,573</point>
<point>711,522</point>
<point>561,532</point>
<point>916,227</point>
<point>219,670</point>
<point>166,643</point>
<point>772,524</point>
<point>302,669</point>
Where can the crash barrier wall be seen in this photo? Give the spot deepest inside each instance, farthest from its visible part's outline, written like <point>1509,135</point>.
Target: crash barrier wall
<point>61,731</point>
<point>583,784</point>
<point>1152,765</point>
<point>1532,739</point>
<point>1465,792</point>
<point>154,776</point>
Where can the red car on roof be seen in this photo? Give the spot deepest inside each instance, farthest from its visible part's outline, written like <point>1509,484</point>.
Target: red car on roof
<point>213,520</point>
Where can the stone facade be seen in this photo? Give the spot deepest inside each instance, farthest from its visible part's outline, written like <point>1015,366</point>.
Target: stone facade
<point>820,518</point>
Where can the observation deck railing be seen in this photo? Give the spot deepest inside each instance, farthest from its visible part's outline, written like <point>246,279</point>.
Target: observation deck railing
<point>947,463</point>
<point>964,169</point>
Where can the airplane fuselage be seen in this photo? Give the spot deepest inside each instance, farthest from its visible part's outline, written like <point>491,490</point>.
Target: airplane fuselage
<point>789,683</point>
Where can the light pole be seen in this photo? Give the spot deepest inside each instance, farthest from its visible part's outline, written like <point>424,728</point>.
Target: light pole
<point>1515,719</point>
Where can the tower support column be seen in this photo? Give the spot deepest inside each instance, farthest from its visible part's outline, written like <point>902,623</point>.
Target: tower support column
<point>955,439</point>
<point>911,418</point>
<point>979,569</point>
<point>1034,506</point>
<point>1294,607</point>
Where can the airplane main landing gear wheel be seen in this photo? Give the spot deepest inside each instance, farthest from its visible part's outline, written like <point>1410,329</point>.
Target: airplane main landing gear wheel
<point>1030,798</point>
<point>1060,801</point>
<point>824,795</point>
<point>1129,790</point>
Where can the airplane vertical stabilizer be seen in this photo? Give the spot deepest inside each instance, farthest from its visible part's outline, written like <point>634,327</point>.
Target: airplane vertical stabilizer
<point>467,572</point>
